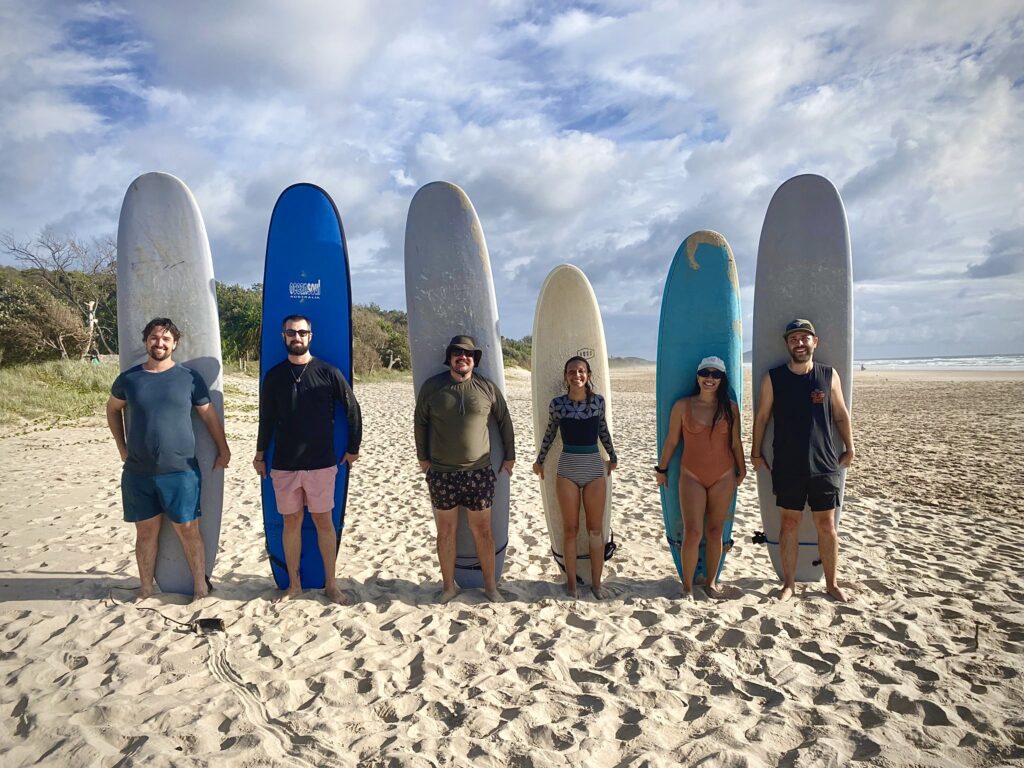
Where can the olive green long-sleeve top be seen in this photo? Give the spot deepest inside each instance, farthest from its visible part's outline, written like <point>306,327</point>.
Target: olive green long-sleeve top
<point>451,423</point>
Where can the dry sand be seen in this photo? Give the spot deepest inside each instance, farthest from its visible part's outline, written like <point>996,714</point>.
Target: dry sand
<point>922,668</point>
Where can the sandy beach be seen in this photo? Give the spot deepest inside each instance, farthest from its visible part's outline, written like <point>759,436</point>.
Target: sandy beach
<point>922,668</point>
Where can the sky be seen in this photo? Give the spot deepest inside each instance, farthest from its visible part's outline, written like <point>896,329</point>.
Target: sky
<point>599,134</point>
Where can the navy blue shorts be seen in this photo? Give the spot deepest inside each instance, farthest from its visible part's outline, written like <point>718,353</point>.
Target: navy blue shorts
<point>470,488</point>
<point>821,492</point>
<point>175,494</point>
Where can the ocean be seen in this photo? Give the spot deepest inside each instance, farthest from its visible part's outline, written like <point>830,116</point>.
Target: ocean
<point>975,363</point>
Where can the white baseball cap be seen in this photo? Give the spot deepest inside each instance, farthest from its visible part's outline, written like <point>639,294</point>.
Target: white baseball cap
<point>712,362</point>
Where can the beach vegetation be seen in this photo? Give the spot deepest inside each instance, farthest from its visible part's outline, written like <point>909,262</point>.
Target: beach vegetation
<point>54,391</point>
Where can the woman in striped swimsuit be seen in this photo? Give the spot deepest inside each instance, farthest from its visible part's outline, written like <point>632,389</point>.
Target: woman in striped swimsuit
<point>579,415</point>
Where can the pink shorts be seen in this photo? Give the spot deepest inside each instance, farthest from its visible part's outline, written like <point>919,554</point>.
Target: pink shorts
<point>312,488</point>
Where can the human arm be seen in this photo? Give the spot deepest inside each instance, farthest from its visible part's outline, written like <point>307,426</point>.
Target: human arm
<point>737,445</point>
<point>267,420</point>
<point>549,438</point>
<point>353,415</point>
<point>668,447</point>
<point>499,408</point>
<point>606,439</point>
<point>421,428</point>
<point>841,418</point>
<point>115,422</point>
<point>764,412</point>
<point>211,419</point>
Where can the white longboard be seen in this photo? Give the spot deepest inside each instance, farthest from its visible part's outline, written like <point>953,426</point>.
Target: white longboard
<point>567,323</point>
<point>449,291</point>
<point>804,270</point>
<point>164,269</point>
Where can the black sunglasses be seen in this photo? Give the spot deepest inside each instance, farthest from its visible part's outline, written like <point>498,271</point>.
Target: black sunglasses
<point>292,333</point>
<point>710,373</point>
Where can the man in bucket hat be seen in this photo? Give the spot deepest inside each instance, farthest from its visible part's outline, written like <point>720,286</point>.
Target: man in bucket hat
<point>453,446</point>
<point>806,399</point>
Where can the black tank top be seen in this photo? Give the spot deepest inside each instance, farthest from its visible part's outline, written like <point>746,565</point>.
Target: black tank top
<point>802,408</point>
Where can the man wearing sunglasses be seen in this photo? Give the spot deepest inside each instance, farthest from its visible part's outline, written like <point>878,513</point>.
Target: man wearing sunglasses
<point>297,408</point>
<point>806,399</point>
<point>453,446</point>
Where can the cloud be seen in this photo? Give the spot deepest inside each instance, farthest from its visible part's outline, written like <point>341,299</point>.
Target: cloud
<point>1004,255</point>
<point>599,135</point>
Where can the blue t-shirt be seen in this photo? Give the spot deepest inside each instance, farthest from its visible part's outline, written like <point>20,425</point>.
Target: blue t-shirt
<point>159,418</point>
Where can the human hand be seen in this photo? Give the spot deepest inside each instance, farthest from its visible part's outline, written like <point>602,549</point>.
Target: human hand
<point>758,462</point>
<point>123,450</point>
<point>661,478</point>
<point>506,466</point>
<point>424,466</point>
<point>847,458</point>
<point>223,457</point>
<point>611,466</point>
<point>349,458</point>
<point>538,469</point>
<point>260,466</point>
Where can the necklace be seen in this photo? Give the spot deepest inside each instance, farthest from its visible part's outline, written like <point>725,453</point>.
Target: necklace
<point>295,383</point>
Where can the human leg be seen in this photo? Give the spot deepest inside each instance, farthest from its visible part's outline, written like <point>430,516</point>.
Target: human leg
<point>720,497</point>
<point>480,527</point>
<point>147,535</point>
<point>327,539</point>
<point>789,548</point>
<point>828,550</point>
<point>446,520</point>
<point>593,507</point>
<point>195,555</point>
<point>291,539</point>
<point>569,505</point>
<point>693,500</point>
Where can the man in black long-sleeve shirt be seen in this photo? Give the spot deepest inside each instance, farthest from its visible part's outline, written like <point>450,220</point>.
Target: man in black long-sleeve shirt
<point>297,408</point>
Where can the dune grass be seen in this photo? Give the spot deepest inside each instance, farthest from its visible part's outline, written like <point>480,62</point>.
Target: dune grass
<point>55,391</point>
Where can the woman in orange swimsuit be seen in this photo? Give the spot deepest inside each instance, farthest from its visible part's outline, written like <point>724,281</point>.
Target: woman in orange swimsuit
<point>712,466</point>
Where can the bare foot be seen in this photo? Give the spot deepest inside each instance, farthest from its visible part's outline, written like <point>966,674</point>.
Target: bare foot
<point>335,595</point>
<point>570,591</point>
<point>289,594</point>
<point>448,594</point>
<point>688,596</point>
<point>494,595</point>
<point>836,593</point>
<point>713,591</point>
<point>599,593</point>
<point>785,594</point>
<point>144,593</point>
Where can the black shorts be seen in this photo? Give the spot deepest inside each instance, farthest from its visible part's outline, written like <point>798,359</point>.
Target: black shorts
<point>470,488</point>
<point>820,492</point>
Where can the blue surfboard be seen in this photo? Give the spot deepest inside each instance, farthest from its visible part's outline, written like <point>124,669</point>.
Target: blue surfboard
<point>700,316</point>
<point>306,273</point>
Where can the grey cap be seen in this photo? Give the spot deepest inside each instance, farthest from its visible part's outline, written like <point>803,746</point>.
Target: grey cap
<point>800,324</point>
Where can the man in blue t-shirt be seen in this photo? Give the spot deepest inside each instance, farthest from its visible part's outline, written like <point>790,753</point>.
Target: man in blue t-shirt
<point>161,474</point>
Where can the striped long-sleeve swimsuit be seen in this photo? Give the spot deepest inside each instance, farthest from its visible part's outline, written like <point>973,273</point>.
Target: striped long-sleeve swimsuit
<point>582,424</point>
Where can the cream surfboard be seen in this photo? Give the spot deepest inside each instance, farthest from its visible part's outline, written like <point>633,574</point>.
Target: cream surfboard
<point>804,270</point>
<point>448,291</point>
<point>567,323</point>
<point>164,269</point>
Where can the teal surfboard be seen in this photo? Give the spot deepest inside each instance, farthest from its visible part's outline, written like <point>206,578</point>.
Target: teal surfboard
<point>700,316</point>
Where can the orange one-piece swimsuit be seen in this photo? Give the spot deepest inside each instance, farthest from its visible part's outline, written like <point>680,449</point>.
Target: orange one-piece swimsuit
<point>707,451</point>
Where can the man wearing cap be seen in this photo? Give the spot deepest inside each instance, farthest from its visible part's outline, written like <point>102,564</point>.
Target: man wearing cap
<point>454,450</point>
<point>806,399</point>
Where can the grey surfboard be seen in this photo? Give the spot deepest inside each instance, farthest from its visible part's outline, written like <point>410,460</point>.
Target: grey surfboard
<point>449,290</point>
<point>805,270</point>
<point>165,269</point>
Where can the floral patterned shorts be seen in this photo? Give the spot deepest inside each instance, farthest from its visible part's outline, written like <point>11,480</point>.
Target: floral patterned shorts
<point>471,488</point>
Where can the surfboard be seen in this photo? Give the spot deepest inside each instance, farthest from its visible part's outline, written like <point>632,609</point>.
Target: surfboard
<point>449,290</point>
<point>165,269</point>
<point>306,273</point>
<point>700,316</point>
<point>804,269</point>
<point>567,322</point>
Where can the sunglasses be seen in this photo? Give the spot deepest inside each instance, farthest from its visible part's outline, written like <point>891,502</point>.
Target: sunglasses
<point>461,353</point>
<point>710,373</point>
<point>291,333</point>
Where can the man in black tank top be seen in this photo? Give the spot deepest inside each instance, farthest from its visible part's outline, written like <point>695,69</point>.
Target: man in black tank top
<point>806,399</point>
